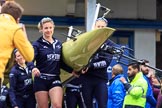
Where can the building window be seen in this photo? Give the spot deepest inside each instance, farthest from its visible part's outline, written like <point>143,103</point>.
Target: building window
<point>159,9</point>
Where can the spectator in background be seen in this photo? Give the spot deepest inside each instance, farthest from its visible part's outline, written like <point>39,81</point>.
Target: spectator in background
<point>136,89</point>
<point>116,90</point>
<point>150,100</point>
<point>159,97</point>
<point>155,85</point>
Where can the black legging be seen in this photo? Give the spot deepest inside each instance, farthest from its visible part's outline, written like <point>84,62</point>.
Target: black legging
<point>93,87</point>
<point>28,102</point>
<point>73,98</point>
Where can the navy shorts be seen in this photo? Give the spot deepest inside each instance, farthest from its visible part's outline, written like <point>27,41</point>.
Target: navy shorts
<point>46,83</point>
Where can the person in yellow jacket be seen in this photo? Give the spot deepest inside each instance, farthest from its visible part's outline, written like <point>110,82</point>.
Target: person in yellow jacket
<point>136,89</point>
<point>12,35</point>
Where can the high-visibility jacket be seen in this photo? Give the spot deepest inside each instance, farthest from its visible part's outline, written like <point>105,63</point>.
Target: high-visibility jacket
<point>12,36</point>
<point>136,94</point>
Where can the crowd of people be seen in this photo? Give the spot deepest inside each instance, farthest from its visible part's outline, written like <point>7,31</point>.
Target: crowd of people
<point>142,89</point>
<point>34,80</point>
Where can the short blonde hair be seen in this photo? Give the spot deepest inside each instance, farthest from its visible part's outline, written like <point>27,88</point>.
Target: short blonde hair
<point>102,19</point>
<point>45,20</point>
<point>117,69</point>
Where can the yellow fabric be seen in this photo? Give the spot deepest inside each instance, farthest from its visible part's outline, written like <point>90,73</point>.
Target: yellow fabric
<point>135,97</point>
<point>12,36</point>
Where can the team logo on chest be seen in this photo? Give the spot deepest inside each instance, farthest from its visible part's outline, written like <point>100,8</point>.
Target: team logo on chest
<point>22,73</point>
<point>53,57</point>
<point>58,46</point>
<point>45,47</point>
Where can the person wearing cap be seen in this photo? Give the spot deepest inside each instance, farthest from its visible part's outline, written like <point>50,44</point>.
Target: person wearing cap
<point>21,91</point>
<point>48,58</point>
<point>136,88</point>
<point>12,35</point>
<point>94,79</point>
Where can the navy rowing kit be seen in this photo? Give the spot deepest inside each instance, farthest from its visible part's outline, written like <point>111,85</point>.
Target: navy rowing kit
<point>99,63</point>
<point>21,86</point>
<point>3,97</point>
<point>73,94</point>
<point>47,56</point>
<point>48,61</point>
<point>94,82</point>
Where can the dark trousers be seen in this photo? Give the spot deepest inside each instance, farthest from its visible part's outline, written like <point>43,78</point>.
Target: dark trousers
<point>28,102</point>
<point>95,88</point>
<point>73,98</point>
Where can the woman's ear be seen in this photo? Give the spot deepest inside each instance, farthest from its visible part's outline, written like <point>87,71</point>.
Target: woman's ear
<point>40,30</point>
